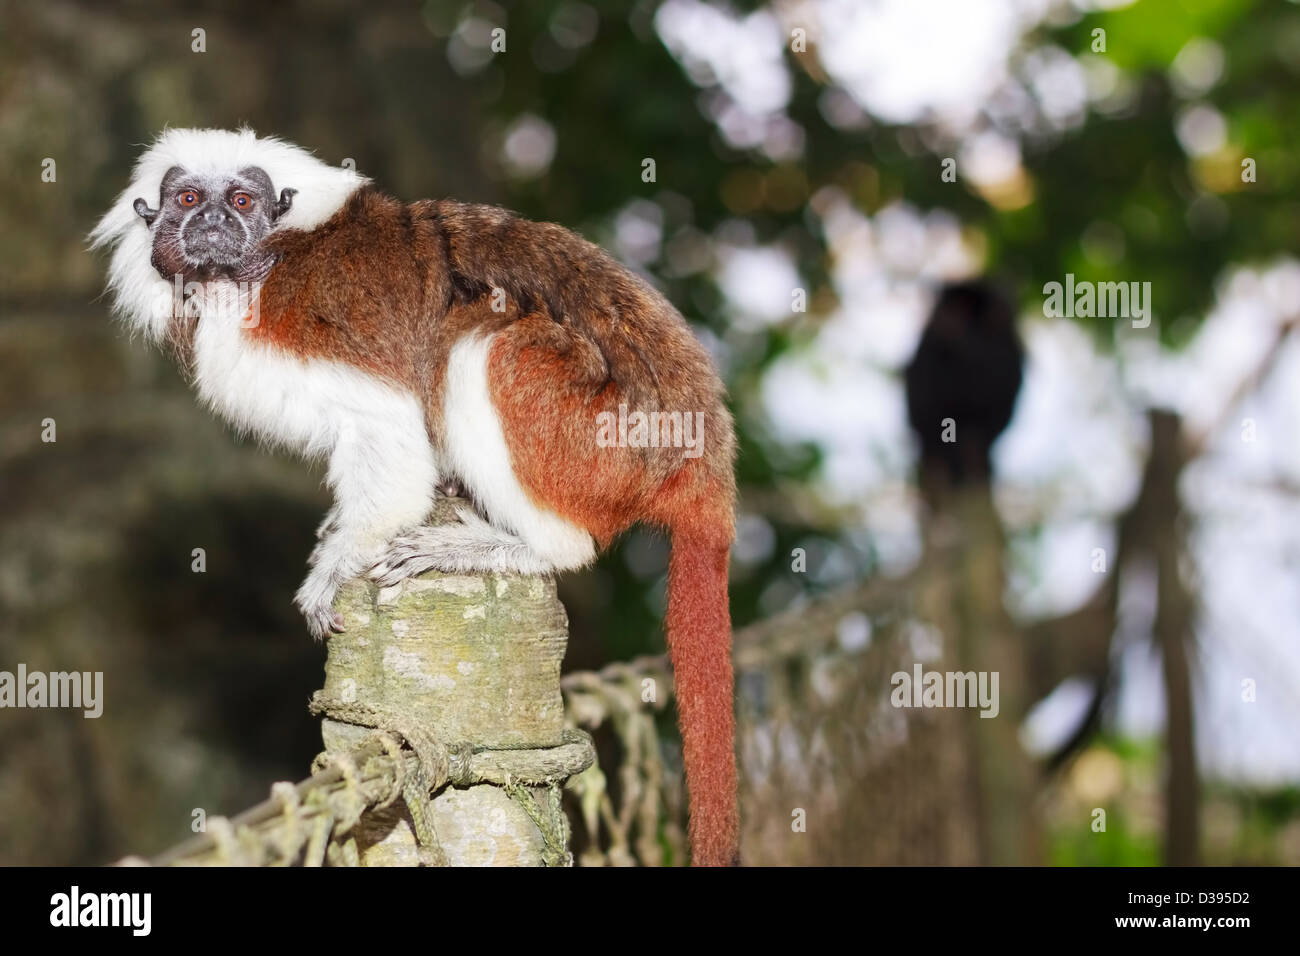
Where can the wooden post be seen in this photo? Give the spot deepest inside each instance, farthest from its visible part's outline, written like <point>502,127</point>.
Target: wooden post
<point>467,669</point>
<point>961,593</point>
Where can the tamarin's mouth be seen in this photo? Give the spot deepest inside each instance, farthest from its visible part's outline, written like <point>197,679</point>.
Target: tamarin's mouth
<point>214,259</point>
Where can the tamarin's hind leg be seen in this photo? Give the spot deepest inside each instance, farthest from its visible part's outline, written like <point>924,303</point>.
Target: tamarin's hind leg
<point>550,390</point>
<point>519,535</point>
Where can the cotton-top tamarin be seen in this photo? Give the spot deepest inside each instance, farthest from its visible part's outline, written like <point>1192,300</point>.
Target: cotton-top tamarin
<point>412,344</point>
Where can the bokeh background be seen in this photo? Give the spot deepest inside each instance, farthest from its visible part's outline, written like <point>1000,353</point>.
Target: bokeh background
<point>800,218</point>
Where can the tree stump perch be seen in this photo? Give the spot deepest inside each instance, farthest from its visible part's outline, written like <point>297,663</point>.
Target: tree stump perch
<point>466,667</point>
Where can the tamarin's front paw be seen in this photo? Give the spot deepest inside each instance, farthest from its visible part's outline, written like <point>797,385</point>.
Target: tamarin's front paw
<point>315,598</point>
<point>317,606</point>
<point>322,621</point>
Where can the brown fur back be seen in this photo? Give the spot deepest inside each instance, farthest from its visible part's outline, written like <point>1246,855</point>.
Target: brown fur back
<point>390,288</point>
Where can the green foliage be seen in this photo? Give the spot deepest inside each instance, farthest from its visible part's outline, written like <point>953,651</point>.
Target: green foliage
<point>1179,221</point>
<point>1120,845</point>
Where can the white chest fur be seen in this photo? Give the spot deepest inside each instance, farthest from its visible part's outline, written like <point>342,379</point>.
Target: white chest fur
<point>305,405</point>
<point>381,462</point>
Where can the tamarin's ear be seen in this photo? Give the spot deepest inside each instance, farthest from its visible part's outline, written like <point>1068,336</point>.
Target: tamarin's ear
<point>144,212</point>
<point>279,208</point>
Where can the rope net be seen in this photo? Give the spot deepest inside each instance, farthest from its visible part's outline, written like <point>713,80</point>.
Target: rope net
<point>830,772</point>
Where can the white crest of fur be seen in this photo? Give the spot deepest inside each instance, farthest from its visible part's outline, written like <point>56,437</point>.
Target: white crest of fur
<point>140,295</point>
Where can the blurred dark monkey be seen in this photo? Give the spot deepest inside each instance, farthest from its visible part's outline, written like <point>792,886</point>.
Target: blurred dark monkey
<point>967,368</point>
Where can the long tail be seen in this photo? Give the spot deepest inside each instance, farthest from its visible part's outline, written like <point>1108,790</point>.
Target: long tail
<point>699,643</point>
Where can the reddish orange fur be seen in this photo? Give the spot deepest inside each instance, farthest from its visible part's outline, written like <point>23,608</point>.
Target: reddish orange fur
<point>547,415</point>
<point>699,643</point>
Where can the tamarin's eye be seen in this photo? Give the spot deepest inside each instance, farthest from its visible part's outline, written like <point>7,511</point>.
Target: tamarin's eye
<point>242,201</point>
<point>187,197</point>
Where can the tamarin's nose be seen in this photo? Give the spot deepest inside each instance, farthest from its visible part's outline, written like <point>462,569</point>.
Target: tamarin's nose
<point>214,217</point>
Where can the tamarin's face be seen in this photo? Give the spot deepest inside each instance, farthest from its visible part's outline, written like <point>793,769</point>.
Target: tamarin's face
<point>209,225</point>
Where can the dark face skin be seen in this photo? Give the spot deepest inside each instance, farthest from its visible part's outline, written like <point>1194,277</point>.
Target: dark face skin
<point>210,226</point>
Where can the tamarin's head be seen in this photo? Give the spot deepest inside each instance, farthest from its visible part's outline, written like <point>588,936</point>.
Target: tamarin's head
<point>218,193</point>
<point>962,381</point>
<point>977,307</point>
<point>208,223</point>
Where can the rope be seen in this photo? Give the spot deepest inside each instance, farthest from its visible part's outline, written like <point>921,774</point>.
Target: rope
<point>223,834</point>
<point>291,839</point>
<point>394,751</point>
<point>319,840</point>
<point>354,803</point>
<point>434,758</point>
<point>550,821</point>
